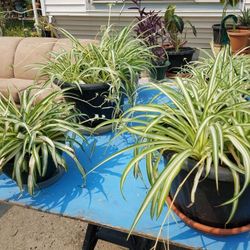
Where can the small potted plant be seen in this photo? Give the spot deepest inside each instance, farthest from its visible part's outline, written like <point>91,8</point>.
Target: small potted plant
<point>239,36</point>
<point>218,28</point>
<point>150,28</point>
<point>34,136</point>
<point>204,137</point>
<point>46,28</point>
<point>99,75</point>
<point>178,55</point>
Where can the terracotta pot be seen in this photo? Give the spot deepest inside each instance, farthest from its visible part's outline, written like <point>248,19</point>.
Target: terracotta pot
<point>241,27</point>
<point>204,228</point>
<point>239,39</point>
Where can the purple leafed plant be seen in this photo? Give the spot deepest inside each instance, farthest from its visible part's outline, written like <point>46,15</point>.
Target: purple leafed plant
<point>151,29</point>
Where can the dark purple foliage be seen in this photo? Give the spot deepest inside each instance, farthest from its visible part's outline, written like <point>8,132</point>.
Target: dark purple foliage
<point>151,29</point>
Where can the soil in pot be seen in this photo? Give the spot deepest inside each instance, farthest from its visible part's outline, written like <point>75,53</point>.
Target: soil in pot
<point>239,39</point>
<point>179,59</point>
<point>206,209</point>
<point>52,175</point>
<point>91,100</point>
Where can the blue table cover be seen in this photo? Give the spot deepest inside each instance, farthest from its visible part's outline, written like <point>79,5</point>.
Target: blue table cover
<point>100,200</point>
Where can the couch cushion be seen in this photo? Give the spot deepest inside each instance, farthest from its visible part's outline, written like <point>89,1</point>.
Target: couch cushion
<point>31,51</point>
<point>8,47</point>
<point>13,86</point>
<point>42,92</point>
<point>63,44</point>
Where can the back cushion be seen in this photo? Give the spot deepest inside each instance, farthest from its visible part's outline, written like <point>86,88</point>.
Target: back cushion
<point>62,45</point>
<point>65,44</point>
<point>31,51</point>
<point>8,47</point>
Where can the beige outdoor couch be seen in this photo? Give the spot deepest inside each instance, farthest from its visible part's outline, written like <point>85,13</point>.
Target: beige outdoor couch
<point>18,57</point>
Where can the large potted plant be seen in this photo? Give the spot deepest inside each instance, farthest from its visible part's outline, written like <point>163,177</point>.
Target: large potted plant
<point>204,137</point>
<point>100,74</point>
<point>150,28</point>
<point>178,55</point>
<point>34,136</point>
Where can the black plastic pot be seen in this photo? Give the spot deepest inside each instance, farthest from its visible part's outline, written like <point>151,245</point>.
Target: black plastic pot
<point>159,72</point>
<point>91,101</point>
<point>206,209</point>
<point>46,33</point>
<point>179,59</point>
<point>217,32</point>
<point>52,175</point>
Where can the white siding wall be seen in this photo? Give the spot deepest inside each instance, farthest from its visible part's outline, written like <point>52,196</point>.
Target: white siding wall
<point>247,4</point>
<point>86,23</point>
<point>63,7</point>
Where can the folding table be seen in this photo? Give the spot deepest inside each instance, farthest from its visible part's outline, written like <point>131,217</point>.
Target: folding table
<point>99,201</point>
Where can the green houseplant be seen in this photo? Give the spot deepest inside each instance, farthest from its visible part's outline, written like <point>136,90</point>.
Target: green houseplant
<point>151,29</point>
<point>204,136</point>
<point>46,28</point>
<point>217,28</point>
<point>34,136</point>
<point>101,74</point>
<point>178,55</point>
<point>244,19</point>
<point>239,36</point>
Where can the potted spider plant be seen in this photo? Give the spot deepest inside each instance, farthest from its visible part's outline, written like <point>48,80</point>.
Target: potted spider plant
<point>150,28</point>
<point>99,75</point>
<point>34,136</point>
<point>204,137</point>
<point>178,55</point>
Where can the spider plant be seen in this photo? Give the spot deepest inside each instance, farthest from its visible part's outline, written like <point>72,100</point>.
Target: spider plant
<point>32,132</point>
<point>116,60</point>
<point>228,64</point>
<point>208,122</point>
<point>244,18</point>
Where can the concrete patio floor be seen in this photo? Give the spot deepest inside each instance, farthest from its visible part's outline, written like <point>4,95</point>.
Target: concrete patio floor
<point>26,229</point>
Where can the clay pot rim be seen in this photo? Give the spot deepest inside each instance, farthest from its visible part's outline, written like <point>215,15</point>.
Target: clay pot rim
<point>207,229</point>
<point>239,32</point>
